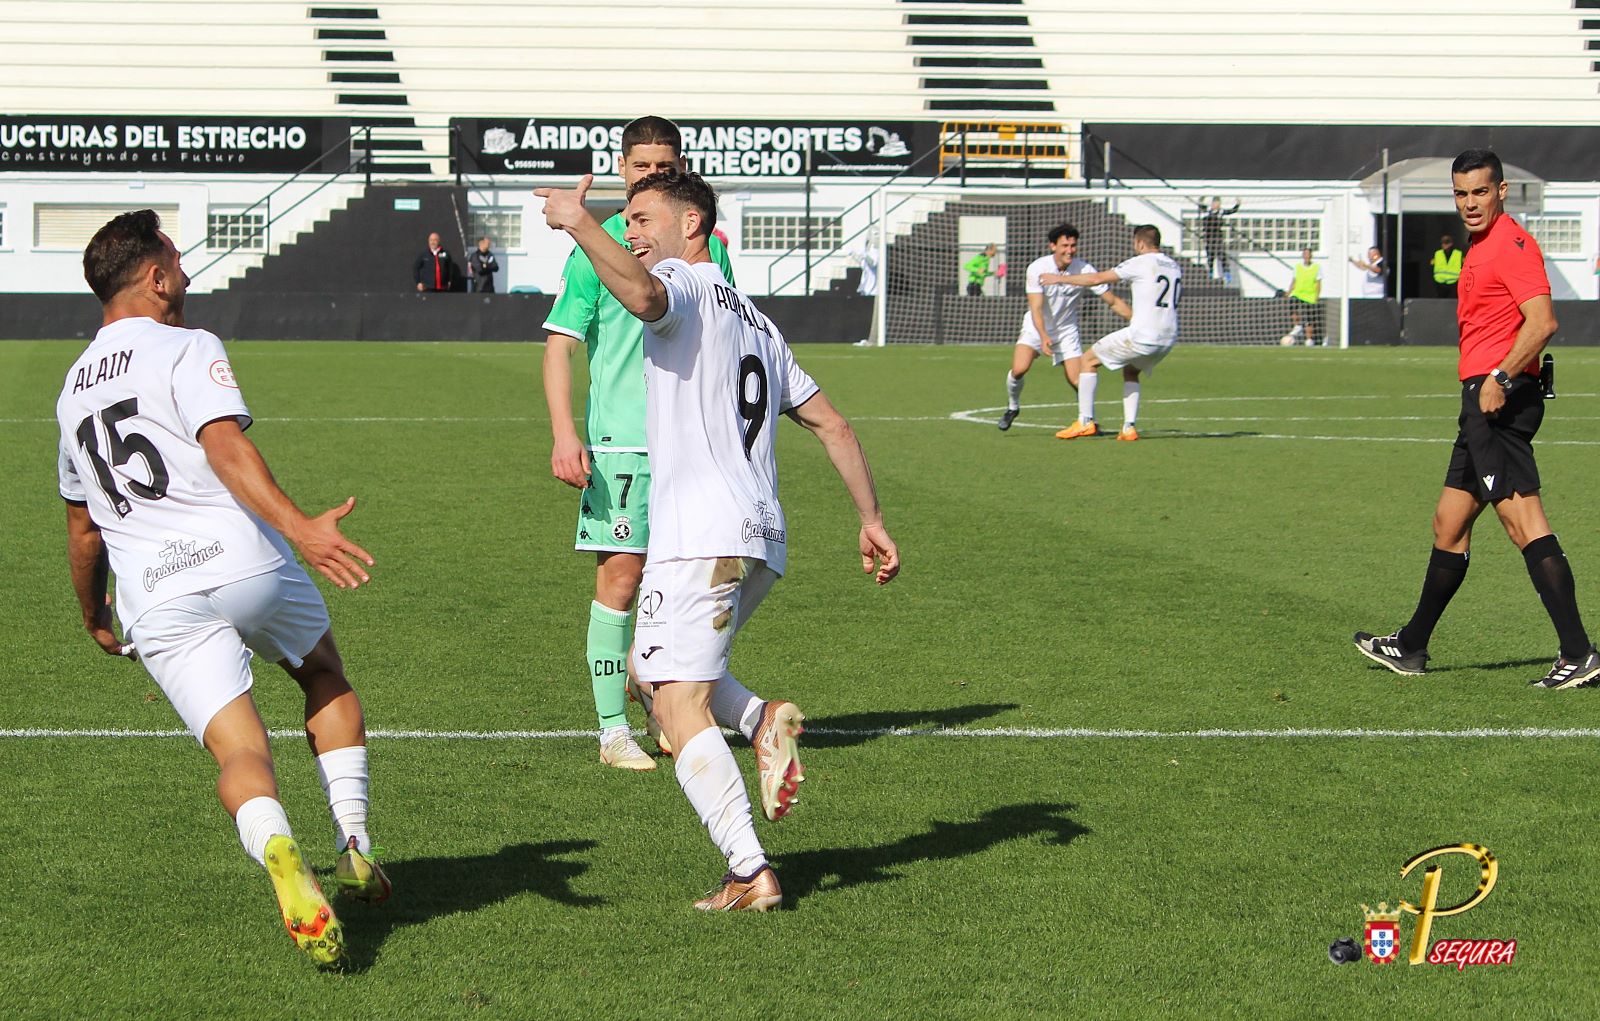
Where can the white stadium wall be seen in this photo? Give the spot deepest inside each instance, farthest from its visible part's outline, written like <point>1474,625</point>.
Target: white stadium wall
<point>411,67</point>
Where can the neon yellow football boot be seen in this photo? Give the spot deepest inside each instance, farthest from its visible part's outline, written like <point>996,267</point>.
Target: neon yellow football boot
<point>306,914</point>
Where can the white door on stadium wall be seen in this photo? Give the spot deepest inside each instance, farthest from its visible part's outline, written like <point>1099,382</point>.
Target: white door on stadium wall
<point>973,235</point>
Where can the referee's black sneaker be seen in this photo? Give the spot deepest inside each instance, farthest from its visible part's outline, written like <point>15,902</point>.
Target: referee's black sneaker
<point>1572,673</point>
<point>1009,417</point>
<point>1388,651</point>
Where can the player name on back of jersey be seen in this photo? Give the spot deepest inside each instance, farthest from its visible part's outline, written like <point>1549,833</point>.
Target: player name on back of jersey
<point>108,367</point>
<point>728,298</point>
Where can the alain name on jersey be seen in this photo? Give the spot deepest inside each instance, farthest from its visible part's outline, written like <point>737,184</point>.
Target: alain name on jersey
<point>109,367</point>
<point>176,556</point>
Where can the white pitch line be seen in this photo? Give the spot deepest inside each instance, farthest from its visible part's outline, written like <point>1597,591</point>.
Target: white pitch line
<point>1026,733</point>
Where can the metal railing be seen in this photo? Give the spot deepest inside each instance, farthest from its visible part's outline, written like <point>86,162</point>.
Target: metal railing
<point>365,163</point>
<point>806,249</point>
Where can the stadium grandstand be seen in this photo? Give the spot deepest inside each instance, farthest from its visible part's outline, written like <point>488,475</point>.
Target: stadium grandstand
<point>310,148</point>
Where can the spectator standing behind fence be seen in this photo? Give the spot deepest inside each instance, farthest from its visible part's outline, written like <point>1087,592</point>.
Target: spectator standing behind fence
<point>483,266</point>
<point>1213,236</point>
<point>979,268</point>
<point>1375,269</point>
<point>1305,300</point>
<point>434,270</point>
<point>1446,268</point>
<point>868,287</point>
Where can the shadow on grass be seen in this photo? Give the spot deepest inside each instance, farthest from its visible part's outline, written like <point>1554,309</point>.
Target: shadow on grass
<point>1178,434</point>
<point>804,873</point>
<point>859,728</point>
<point>1505,664</point>
<point>429,888</point>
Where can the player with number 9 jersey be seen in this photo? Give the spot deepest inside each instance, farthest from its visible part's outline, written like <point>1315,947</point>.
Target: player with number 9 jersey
<point>717,374</point>
<point>711,430</point>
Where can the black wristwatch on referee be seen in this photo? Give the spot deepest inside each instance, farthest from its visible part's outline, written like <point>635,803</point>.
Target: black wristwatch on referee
<point>1499,376</point>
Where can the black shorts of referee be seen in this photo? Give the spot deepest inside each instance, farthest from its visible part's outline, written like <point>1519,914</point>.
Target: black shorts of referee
<point>1493,457</point>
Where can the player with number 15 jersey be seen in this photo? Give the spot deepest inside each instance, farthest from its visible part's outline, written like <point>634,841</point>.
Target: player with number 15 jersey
<point>163,488</point>
<point>129,413</point>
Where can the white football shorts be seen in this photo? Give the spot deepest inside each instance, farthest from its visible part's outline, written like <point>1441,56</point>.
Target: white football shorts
<point>1063,345</point>
<point>689,611</point>
<point>1122,349</point>
<point>197,647</point>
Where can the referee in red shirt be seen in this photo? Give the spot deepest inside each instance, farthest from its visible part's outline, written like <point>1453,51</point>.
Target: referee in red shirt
<point>1506,318</point>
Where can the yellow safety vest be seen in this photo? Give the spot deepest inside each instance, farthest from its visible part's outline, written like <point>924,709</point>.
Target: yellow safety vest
<point>1447,269</point>
<point>1306,286</point>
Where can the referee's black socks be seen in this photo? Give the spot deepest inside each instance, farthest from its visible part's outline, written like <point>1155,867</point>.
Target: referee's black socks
<point>1446,572</point>
<point>1552,577</point>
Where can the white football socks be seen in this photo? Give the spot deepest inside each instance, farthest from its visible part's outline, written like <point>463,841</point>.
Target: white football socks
<point>259,820</point>
<point>343,772</point>
<point>710,779</point>
<point>1130,403</point>
<point>735,706</point>
<point>1087,382</point>
<point>1014,391</point>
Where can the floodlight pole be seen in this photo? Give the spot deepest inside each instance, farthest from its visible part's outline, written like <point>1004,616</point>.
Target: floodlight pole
<point>1383,222</point>
<point>810,139</point>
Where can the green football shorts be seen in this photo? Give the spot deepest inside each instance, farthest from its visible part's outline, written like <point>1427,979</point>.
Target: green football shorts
<point>614,516</point>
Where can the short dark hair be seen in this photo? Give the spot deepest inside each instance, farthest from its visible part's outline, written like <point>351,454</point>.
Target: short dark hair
<point>650,130</point>
<point>119,250</point>
<point>1066,230</point>
<point>682,190</point>
<point>1477,159</point>
<point>1149,233</point>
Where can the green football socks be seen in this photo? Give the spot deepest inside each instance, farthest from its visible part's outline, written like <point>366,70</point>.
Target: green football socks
<point>609,633</point>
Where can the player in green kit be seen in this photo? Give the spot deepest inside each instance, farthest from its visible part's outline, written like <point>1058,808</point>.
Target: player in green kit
<point>612,469</point>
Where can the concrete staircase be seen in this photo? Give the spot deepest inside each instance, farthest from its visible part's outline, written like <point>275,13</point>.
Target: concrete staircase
<point>367,246</point>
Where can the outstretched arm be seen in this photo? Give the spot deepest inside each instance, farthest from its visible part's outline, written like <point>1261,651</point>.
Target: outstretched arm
<point>878,551</point>
<point>619,269</point>
<point>241,468</point>
<point>1107,276</point>
<point>86,554</point>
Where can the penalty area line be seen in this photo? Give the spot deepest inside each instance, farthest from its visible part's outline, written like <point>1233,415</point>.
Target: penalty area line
<point>1021,733</point>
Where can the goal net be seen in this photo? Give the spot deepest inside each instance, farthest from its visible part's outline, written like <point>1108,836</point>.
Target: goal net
<point>1239,265</point>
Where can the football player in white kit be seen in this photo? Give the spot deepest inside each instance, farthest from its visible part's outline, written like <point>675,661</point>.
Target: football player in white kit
<point>1050,326</point>
<point>164,490</point>
<point>1157,284</point>
<point>717,375</point>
